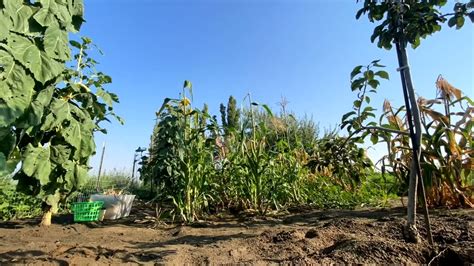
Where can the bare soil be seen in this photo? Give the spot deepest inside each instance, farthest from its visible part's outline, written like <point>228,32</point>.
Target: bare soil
<point>303,237</point>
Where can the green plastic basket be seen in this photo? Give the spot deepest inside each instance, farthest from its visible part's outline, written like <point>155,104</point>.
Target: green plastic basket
<point>86,211</point>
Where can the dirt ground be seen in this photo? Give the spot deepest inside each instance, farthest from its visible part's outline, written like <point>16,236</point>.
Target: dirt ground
<point>303,236</point>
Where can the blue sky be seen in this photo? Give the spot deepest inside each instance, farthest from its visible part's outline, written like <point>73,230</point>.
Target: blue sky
<point>302,50</point>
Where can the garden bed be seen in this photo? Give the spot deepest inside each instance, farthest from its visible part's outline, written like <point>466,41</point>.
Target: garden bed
<point>310,236</point>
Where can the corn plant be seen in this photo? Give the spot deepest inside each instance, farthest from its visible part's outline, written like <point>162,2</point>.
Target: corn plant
<point>181,156</point>
<point>447,156</point>
<point>447,153</point>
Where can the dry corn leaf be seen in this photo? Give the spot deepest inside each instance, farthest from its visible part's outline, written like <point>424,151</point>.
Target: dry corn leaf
<point>446,90</point>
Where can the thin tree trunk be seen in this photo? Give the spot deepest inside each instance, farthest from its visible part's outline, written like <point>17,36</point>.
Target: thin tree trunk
<point>414,123</point>
<point>47,214</point>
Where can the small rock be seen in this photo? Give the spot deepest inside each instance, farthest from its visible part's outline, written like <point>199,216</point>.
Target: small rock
<point>312,233</point>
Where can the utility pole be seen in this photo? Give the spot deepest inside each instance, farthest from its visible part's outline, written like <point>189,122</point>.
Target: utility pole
<point>100,167</point>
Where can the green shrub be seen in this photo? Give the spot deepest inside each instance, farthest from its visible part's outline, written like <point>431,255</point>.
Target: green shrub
<point>16,205</point>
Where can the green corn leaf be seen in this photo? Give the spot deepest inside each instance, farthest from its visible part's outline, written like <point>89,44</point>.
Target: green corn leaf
<point>268,110</point>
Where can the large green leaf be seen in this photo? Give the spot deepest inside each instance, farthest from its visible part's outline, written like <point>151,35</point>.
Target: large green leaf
<point>16,89</point>
<point>80,174</point>
<point>5,25</point>
<point>87,144</point>
<point>38,106</point>
<point>105,95</point>
<point>76,9</point>
<point>38,62</point>
<point>36,163</point>
<point>60,153</point>
<point>52,12</point>
<point>59,111</point>
<point>72,134</point>
<point>34,114</point>
<point>76,174</point>
<point>19,15</point>
<point>56,44</point>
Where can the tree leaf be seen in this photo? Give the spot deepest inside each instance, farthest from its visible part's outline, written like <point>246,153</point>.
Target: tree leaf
<point>452,21</point>
<point>374,83</point>
<point>19,15</point>
<point>374,138</point>
<point>382,74</point>
<point>87,144</point>
<point>80,174</point>
<point>75,44</point>
<point>56,44</point>
<point>355,71</point>
<point>460,22</point>
<point>72,134</point>
<point>16,89</point>
<point>105,95</point>
<point>59,111</point>
<point>60,153</point>
<point>39,63</point>
<point>52,13</point>
<point>76,9</point>
<point>345,116</point>
<point>36,163</point>
<point>5,25</point>
<point>34,114</point>
<point>357,103</point>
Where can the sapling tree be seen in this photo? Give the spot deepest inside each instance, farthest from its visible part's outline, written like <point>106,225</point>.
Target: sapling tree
<point>404,22</point>
<point>48,110</point>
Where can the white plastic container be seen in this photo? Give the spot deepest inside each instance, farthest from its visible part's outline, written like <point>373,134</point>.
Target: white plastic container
<point>102,214</point>
<point>117,206</point>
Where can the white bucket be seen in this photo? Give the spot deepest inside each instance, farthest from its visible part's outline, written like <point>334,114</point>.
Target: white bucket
<point>117,206</point>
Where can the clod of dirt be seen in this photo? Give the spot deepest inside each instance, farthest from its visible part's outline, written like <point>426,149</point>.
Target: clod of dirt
<point>448,256</point>
<point>284,236</point>
<point>311,233</point>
